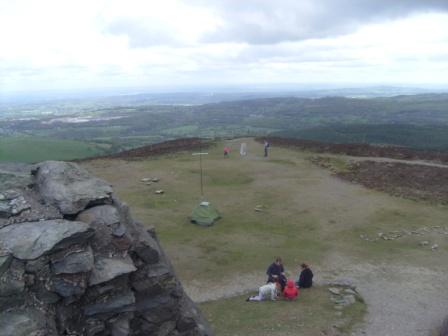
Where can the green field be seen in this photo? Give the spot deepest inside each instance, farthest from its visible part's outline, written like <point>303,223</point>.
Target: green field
<point>34,149</point>
<point>308,215</point>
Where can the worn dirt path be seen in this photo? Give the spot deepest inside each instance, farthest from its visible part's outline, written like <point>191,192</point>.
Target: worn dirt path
<point>401,300</point>
<point>380,159</point>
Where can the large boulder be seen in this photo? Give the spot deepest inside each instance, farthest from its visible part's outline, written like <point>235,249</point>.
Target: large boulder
<point>74,262</point>
<point>28,322</point>
<point>69,187</point>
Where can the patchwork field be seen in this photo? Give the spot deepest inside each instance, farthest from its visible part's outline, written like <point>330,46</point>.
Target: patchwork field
<point>32,149</point>
<point>307,214</point>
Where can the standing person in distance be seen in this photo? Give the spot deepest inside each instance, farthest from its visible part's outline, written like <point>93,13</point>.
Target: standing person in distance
<point>226,151</point>
<point>305,277</point>
<point>266,147</point>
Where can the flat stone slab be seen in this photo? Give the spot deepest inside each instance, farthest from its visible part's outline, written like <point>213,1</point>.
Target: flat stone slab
<point>30,240</point>
<point>335,291</point>
<point>116,304</point>
<point>109,268</point>
<point>73,261</point>
<point>100,215</point>
<point>69,187</point>
<point>22,323</point>
<point>5,260</point>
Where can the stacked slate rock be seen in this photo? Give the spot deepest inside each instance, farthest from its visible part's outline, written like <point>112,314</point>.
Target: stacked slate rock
<point>74,262</point>
<point>444,328</point>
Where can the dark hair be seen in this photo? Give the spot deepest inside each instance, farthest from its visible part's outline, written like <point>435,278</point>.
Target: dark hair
<point>278,259</point>
<point>304,265</point>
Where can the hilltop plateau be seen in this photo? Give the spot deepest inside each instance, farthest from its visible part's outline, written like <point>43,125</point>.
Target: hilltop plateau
<point>390,245</point>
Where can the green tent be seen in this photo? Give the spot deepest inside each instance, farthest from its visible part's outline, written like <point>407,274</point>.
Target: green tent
<point>204,214</point>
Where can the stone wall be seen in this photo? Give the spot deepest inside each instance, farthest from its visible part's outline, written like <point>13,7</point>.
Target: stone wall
<point>74,262</point>
<point>444,328</point>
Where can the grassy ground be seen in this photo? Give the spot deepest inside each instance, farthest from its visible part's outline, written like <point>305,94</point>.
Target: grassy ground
<point>311,314</point>
<point>32,149</point>
<point>308,215</point>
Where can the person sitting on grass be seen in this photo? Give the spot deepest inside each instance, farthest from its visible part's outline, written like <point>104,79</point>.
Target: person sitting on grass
<point>306,277</point>
<point>276,273</point>
<point>266,292</point>
<point>290,292</point>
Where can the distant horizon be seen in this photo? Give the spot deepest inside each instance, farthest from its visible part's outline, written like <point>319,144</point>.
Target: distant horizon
<point>222,89</point>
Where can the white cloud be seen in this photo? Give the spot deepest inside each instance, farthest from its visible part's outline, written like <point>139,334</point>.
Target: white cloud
<point>80,44</point>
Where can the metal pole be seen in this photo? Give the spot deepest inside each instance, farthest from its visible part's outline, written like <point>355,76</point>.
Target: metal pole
<point>200,166</point>
<point>202,185</point>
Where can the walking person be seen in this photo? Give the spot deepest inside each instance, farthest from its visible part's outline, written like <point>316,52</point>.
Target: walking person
<point>266,147</point>
<point>226,151</point>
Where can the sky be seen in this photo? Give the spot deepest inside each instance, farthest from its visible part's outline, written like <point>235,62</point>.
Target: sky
<point>84,44</point>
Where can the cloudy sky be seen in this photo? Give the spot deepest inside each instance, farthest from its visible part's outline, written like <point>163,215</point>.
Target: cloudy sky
<point>82,44</point>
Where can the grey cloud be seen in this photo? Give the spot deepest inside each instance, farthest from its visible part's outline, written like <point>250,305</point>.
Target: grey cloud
<point>269,22</point>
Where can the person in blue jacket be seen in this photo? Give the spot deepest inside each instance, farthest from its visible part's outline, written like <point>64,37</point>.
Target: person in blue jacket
<point>276,273</point>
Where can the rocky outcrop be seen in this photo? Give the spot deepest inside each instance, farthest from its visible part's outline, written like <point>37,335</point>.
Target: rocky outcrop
<point>74,262</point>
<point>444,328</point>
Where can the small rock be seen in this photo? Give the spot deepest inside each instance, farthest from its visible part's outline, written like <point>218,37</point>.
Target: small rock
<point>124,302</point>
<point>343,282</point>
<point>350,291</point>
<point>335,291</point>
<point>24,323</point>
<point>159,192</point>
<point>349,299</point>
<point>109,268</point>
<point>11,194</point>
<point>145,179</point>
<point>67,285</point>
<point>259,208</point>
<point>434,247</point>
<point>424,243</point>
<point>155,179</point>
<point>5,210</point>
<point>5,261</point>
<point>73,261</point>
<point>119,230</point>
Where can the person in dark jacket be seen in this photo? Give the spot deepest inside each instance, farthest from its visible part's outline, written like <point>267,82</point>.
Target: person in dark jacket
<point>306,277</point>
<point>276,273</point>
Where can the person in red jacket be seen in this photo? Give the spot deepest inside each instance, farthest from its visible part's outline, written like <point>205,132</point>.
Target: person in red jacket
<point>290,292</point>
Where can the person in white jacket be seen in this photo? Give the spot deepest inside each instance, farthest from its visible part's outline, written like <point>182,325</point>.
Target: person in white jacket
<point>266,292</point>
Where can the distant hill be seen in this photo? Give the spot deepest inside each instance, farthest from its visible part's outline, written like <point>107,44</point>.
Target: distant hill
<point>419,121</point>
